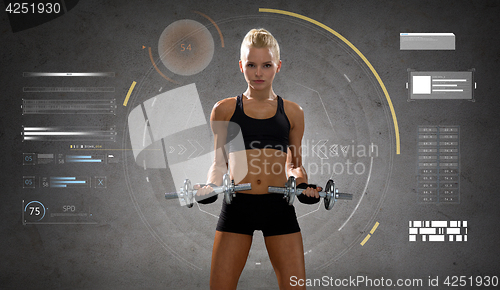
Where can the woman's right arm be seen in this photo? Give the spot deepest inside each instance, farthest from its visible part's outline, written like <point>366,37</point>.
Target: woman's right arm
<point>218,122</point>
<point>219,119</point>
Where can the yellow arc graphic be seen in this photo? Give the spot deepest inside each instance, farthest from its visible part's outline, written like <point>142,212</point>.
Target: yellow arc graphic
<point>374,228</point>
<point>371,232</point>
<point>129,93</point>
<point>365,240</point>
<point>396,129</point>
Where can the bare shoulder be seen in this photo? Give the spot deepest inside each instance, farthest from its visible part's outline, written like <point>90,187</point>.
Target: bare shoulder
<point>223,110</point>
<point>293,111</point>
<point>291,106</point>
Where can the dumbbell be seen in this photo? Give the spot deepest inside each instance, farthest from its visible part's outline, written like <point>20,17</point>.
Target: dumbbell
<point>329,193</point>
<point>228,188</point>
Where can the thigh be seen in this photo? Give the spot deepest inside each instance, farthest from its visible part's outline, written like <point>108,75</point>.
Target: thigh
<point>229,256</point>
<point>286,253</point>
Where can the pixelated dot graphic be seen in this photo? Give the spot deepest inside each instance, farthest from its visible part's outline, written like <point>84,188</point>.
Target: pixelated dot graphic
<point>186,47</point>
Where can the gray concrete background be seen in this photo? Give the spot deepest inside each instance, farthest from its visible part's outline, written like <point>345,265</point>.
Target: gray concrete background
<point>142,241</point>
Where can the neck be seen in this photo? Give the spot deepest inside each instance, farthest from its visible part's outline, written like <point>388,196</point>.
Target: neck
<point>260,95</point>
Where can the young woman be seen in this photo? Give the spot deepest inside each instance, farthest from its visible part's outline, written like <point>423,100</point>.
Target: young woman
<point>272,129</point>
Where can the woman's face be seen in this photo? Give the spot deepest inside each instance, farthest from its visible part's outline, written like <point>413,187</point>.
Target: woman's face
<point>259,67</point>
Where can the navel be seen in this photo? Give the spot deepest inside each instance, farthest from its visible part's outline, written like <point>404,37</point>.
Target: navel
<point>258,181</point>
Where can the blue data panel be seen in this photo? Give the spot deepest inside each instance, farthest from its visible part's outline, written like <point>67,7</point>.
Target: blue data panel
<point>65,182</point>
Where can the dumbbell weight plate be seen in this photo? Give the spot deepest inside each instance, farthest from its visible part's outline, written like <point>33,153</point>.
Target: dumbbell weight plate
<point>291,186</point>
<point>188,193</point>
<point>330,194</point>
<point>226,185</point>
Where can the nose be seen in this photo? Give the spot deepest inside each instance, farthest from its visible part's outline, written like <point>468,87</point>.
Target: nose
<point>258,72</point>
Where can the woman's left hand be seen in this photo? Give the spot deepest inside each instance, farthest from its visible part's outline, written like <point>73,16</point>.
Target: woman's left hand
<point>312,192</point>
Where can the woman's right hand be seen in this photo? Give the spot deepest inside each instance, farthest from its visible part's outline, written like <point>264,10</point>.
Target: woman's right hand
<point>205,194</point>
<point>205,190</point>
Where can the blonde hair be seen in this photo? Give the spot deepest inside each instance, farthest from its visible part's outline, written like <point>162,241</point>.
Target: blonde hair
<point>261,38</point>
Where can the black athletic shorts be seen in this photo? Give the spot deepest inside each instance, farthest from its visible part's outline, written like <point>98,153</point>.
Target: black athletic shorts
<point>269,213</point>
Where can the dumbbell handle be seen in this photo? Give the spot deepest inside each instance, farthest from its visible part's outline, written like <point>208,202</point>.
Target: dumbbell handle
<point>217,189</point>
<point>282,190</point>
<point>342,195</point>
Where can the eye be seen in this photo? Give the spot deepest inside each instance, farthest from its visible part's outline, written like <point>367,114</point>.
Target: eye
<point>250,65</point>
<point>268,65</point>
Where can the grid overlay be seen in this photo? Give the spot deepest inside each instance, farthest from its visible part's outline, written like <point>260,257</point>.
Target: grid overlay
<point>438,172</point>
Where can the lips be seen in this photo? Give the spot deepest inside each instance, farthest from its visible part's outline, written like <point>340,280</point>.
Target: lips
<point>258,81</point>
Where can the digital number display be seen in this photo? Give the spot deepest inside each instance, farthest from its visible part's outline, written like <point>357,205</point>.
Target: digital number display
<point>34,8</point>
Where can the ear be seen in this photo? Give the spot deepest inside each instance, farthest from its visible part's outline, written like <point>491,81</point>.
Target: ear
<point>241,66</point>
<point>279,67</point>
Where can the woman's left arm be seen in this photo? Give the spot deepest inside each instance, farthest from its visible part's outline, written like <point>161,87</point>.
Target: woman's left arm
<point>294,153</point>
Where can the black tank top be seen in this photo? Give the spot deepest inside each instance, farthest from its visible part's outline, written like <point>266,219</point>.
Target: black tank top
<point>258,133</point>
